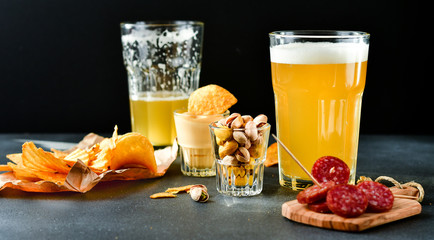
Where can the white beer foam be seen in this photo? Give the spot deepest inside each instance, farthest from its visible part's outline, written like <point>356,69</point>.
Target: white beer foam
<point>319,53</point>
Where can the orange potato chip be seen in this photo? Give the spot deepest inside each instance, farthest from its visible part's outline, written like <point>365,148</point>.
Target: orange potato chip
<point>38,159</point>
<point>209,100</point>
<point>271,155</point>
<point>5,168</point>
<point>78,153</point>
<point>15,158</point>
<point>163,195</point>
<point>133,149</point>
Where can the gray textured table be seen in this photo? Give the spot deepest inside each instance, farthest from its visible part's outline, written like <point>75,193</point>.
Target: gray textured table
<point>123,209</point>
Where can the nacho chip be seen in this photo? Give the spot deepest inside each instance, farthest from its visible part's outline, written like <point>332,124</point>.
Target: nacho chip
<point>163,195</point>
<point>272,158</point>
<point>179,189</point>
<point>209,100</point>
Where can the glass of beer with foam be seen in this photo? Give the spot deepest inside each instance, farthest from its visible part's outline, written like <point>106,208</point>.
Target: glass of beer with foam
<point>163,62</point>
<point>318,81</point>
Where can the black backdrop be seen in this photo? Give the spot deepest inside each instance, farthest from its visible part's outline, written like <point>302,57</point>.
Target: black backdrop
<point>61,66</point>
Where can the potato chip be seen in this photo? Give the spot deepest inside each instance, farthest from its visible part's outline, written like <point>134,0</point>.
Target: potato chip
<point>271,155</point>
<point>71,158</point>
<point>37,159</point>
<point>133,148</point>
<point>5,168</point>
<point>209,100</point>
<point>15,157</point>
<point>179,189</point>
<point>58,153</point>
<point>163,195</point>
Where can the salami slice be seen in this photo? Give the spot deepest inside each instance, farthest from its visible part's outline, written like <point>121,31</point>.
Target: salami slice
<point>330,168</point>
<point>315,193</point>
<point>320,207</point>
<point>380,198</point>
<point>347,201</point>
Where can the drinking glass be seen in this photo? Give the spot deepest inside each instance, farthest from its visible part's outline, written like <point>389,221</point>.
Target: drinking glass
<point>318,82</point>
<point>163,62</point>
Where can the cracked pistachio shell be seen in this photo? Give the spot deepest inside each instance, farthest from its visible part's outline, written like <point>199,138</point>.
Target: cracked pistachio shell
<point>251,130</point>
<point>228,148</point>
<point>223,133</point>
<point>242,155</point>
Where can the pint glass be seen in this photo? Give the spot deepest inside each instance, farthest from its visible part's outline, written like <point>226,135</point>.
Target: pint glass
<point>163,62</point>
<point>318,82</point>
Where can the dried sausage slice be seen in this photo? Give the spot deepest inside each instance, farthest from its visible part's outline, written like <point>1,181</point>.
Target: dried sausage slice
<point>320,207</point>
<point>347,201</point>
<point>315,193</point>
<point>330,168</point>
<point>380,198</point>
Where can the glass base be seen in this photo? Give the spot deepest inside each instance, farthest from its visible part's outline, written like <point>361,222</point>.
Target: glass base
<point>298,184</point>
<point>197,162</point>
<point>194,172</point>
<point>240,180</point>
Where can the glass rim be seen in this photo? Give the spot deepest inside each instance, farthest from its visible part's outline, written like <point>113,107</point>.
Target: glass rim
<point>265,126</point>
<point>184,112</point>
<point>327,34</point>
<point>162,23</point>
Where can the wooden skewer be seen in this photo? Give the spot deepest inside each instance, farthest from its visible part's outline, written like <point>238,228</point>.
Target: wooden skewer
<point>296,160</point>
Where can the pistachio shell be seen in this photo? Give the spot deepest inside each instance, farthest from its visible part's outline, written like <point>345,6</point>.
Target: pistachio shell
<point>231,118</point>
<point>242,154</point>
<point>228,148</point>
<point>240,137</point>
<point>229,160</point>
<point>256,150</point>
<point>261,118</point>
<point>251,130</point>
<point>237,122</point>
<point>246,118</point>
<point>223,133</point>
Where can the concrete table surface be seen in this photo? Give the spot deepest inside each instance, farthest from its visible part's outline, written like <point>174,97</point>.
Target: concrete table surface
<point>123,209</point>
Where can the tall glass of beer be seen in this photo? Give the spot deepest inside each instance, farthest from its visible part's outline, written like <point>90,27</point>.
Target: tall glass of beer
<point>318,81</point>
<point>163,62</point>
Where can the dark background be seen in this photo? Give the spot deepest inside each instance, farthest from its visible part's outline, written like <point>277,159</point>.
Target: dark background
<point>61,67</point>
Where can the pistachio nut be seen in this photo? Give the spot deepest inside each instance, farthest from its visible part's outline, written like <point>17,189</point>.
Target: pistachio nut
<point>228,148</point>
<point>229,160</point>
<point>251,130</point>
<point>223,133</point>
<point>231,118</point>
<point>237,122</point>
<point>242,155</point>
<point>199,193</point>
<point>240,137</point>
<point>260,119</point>
<point>219,141</point>
<point>246,118</point>
<point>256,150</point>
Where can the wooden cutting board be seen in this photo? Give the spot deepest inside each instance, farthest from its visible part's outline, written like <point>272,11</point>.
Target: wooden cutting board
<point>402,208</point>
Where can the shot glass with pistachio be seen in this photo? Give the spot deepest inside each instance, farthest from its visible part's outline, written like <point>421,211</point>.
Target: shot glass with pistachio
<point>239,145</point>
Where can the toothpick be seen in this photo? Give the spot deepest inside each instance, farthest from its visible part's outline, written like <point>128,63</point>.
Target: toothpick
<point>296,160</point>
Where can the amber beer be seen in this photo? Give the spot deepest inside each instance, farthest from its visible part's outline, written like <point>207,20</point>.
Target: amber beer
<point>318,88</point>
<point>152,115</point>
